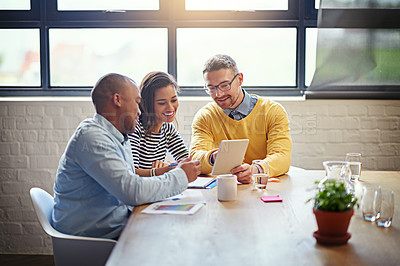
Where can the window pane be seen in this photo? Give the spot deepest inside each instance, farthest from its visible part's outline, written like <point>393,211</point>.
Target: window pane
<point>79,57</point>
<point>359,4</point>
<point>19,57</point>
<point>266,56</point>
<point>107,5</point>
<point>311,51</point>
<point>357,57</point>
<point>15,5</point>
<point>236,5</point>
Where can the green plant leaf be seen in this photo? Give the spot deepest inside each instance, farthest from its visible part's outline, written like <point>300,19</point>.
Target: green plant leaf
<point>333,197</point>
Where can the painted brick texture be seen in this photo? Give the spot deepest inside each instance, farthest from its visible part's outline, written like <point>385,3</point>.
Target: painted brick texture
<point>34,135</point>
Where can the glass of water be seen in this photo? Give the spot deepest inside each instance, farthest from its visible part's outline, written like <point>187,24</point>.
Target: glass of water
<point>355,165</point>
<point>371,202</point>
<point>387,209</point>
<point>259,180</point>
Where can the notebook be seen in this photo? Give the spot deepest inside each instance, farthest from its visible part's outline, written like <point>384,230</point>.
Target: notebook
<point>202,182</point>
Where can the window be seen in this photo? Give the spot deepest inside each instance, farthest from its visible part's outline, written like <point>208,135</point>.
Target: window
<point>64,5</point>
<point>95,52</point>
<point>68,44</point>
<point>348,4</point>
<point>358,50</point>
<point>238,5</point>
<point>15,5</point>
<point>311,48</point>
<point>19,57</point>
<point>264,55</point>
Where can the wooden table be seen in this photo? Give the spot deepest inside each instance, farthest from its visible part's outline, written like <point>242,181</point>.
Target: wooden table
<point>250,232</point>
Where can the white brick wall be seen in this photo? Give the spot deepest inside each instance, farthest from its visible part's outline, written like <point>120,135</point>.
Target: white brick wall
<point>35,133</point>
<point>327,129</point>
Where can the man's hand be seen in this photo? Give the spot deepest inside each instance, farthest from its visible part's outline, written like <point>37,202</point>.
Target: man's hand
<point>254,169</point>
<point>191,168</point>
<point>243,173</point>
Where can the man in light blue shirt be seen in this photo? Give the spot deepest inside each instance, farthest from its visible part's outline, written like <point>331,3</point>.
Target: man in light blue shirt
<point>96,186</point>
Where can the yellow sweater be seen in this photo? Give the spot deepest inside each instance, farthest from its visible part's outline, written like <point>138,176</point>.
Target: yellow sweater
<point>267,128</point>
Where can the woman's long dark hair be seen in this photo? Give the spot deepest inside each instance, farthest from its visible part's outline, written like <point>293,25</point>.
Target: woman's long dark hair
<point>151,82</point>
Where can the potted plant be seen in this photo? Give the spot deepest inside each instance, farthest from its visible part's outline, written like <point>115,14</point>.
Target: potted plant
<point>333,209</point>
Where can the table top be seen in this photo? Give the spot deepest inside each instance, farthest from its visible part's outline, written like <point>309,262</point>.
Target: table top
<point>250,232</point>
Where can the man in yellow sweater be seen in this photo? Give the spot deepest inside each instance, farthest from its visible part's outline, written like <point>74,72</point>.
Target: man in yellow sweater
<point>235,114</point>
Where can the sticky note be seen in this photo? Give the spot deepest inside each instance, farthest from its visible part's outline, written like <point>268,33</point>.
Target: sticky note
<point>271,198</point>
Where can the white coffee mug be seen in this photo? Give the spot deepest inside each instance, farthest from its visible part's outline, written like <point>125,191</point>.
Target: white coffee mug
<point>227,187</point>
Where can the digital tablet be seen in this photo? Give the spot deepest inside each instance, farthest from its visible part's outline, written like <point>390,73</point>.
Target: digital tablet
<point>230,154</point>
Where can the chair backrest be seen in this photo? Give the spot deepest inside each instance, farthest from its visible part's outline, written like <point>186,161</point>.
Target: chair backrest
<point>43,203</point>
<point>69,249</point>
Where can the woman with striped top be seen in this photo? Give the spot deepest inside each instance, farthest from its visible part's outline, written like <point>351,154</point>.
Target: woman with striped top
<point>155,134</point>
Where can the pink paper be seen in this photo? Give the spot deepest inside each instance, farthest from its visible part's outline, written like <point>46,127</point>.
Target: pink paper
<point>271,198</point>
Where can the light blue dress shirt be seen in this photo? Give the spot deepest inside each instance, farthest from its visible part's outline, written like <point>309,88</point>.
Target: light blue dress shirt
<point>244,108</point>
<point>96,185</point>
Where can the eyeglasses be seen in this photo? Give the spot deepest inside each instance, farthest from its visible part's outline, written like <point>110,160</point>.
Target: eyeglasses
<point>225,86</point>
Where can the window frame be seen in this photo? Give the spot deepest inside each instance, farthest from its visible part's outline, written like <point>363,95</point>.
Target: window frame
<point>171,15</point>
<point>21,16</point>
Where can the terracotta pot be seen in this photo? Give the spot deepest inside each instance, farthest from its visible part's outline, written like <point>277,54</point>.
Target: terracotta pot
<point>333,224</point>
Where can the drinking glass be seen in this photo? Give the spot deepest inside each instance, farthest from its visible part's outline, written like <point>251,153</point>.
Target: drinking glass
<point>387,209</point>
<point>371,202</point>
<point>355,165</point>
<point>259,180</point>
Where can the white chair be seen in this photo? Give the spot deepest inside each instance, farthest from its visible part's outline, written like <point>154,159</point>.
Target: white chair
<point>69,249</point>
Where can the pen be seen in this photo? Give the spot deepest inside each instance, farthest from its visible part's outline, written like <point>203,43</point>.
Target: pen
<point>173,164</point>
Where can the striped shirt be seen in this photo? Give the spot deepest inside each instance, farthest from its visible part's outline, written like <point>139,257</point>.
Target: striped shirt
<point>147,149</point>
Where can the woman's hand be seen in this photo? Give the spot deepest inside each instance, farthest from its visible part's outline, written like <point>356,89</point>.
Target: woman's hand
<point>162,167</point>
<point>158,164</point>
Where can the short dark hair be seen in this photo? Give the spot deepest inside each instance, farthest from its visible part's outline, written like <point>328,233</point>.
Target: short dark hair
<point>150,84</point>
<point>218,62</point>
<point>105,88</point>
